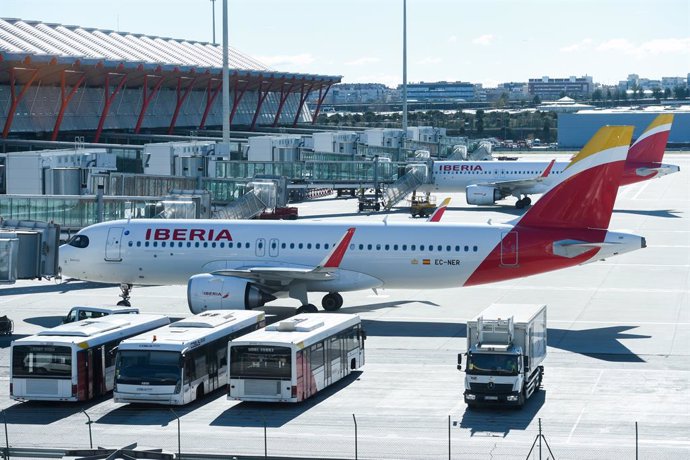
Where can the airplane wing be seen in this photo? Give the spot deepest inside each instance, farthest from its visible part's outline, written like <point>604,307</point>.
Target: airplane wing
<point>324,271</point>
<point>516,185</point>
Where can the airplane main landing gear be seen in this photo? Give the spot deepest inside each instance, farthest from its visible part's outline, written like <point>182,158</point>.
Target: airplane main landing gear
<point>308,308</point>
<point>523,203</point>
<point>332,301</point>
<point>126,289</point>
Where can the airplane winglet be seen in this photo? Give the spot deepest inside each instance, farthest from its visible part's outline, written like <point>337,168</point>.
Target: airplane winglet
<point>333,259</point>
<point>438,212</point>
<point>548,169</point>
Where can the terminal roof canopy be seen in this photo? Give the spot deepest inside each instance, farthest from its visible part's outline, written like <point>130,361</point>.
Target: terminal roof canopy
<point>34,42</point>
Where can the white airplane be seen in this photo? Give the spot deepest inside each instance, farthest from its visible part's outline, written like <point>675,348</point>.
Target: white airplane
<point>244,264</point>
<point>485,182</point>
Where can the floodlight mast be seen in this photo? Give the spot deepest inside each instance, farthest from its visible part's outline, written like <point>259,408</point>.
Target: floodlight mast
<point>226,78</point>
<point>404,114</point>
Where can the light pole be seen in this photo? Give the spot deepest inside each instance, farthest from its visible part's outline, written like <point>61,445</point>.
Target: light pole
<point>213,16</point>
<point>404,117</point>
<point>226,78</point>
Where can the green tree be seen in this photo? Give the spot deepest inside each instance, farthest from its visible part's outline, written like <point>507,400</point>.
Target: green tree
<point>597,95</point>
<point>656,94</point>
<point>546,131</point>
<point>536,100</point>
<point>479,122</point>
<point>667,93</point>
<point>680,93</point>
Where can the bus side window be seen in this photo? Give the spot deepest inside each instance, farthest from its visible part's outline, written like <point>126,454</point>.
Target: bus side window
<point>110,349</point>
<point>317,357</point>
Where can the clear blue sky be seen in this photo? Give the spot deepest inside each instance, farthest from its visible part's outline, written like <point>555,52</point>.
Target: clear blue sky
<point>481,41</point>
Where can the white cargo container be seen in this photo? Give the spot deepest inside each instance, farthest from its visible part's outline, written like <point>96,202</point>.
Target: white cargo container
<point>506,345</point>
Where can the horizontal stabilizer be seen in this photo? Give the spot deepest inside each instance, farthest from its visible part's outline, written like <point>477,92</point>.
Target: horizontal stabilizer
<point>573,248</point>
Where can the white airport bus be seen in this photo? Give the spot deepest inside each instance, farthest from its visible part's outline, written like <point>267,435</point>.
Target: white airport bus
<point>181,362</point>
<point>291,360</point>
<point>73,361</point>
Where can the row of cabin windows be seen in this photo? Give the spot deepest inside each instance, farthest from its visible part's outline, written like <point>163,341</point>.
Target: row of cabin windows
<point>497,172</point>
<point>274,245</point>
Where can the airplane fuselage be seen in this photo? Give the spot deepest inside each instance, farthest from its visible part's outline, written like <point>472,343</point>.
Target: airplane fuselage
<point>455,176</point>
<point>393,255</point>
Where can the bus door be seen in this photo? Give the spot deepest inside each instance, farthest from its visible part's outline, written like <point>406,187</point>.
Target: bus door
<point>97,371</point>
<point>212,363</point>
<point>112,244</point>
<point>273,247</point>
<point>260,247</point>
<point>89,374</point>
<point>509,249</point>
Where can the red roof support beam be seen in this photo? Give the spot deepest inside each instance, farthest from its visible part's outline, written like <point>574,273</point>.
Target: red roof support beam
<point>108,99</point>
<point>284,94</point>
<point>65,100</point>
<point>260,101</point>
<point>210,98</point>
<point>302,99</point>
<point>322,96</point>
<point>16,98</point>
<point>147,98</point>
<point>181,97</point>
<point>237,97</point>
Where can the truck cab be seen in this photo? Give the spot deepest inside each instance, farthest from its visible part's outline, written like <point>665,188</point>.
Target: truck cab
<point>505,349</point>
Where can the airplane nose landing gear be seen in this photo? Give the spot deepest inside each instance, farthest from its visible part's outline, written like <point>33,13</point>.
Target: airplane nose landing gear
<point>126,289</point>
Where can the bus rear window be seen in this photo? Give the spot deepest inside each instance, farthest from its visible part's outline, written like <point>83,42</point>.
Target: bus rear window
<point>137,366</point>
<point>260,362</point>
<point>41,361</point>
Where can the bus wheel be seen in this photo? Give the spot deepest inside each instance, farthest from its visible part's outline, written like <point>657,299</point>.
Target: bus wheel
<point>332,301</point>
<point>200,391</point>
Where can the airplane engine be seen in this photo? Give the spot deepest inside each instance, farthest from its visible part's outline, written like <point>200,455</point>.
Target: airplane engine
<point>482,195</point>
<point>211,292</point>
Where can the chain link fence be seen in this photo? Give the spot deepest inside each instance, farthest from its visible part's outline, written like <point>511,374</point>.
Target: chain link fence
<point>346,436</point>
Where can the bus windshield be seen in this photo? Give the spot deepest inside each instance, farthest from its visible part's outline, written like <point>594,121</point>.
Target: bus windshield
<point>260,362</point>
<point>486,363</point>
<point>154,367</point>
<point>41,361</point>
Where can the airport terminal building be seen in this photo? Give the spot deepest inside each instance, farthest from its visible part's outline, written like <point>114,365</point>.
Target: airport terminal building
<point>575,129</point>
<point>56,78</point>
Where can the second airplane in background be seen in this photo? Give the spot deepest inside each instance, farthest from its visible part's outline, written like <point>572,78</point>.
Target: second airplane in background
<point>485,182</point>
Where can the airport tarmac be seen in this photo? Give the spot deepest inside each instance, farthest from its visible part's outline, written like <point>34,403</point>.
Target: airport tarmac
<point>619,354</point>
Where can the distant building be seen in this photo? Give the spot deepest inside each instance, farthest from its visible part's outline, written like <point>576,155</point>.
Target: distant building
<point>672,82</point>
<point>443,91</point>
<point>563,105</point>
<point>357,93</point>
<point>554,88</point>
<point>516,91</point>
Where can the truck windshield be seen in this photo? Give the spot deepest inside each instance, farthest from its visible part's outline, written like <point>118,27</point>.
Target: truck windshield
<point>485,363</point>
<point>154,367</point>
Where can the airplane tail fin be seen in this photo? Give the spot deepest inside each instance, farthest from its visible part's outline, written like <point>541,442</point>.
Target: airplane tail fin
<point>650,146</point>
<point>586,193</point>
<point>438,212</point>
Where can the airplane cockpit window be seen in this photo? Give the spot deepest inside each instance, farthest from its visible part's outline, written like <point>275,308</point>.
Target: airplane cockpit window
<point>79,241</point>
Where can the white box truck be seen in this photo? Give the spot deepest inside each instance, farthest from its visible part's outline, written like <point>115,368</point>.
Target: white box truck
<point>506,346</point>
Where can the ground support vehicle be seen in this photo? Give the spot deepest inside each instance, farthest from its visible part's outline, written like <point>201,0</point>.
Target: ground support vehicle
<point>74,361</point>
<point>286,213</point>
<point>506,345</point>
<point>179,363</point>
<point>291,360</point>
<point>6,325</point>
<point>81,312</point>
<point>422,206</point>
